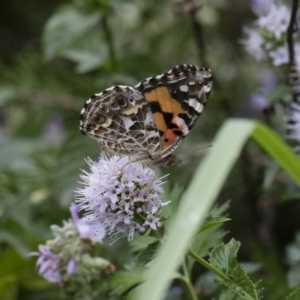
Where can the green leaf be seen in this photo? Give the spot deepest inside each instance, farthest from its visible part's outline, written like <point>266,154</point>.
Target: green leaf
<point>147,254</point>
<point>7,93</point>
<point>88,53</point>
<point>123,281</point>
<point>277,149</point>
<point>65,27</point>
<point>213,221</point>
<point>223,256</point>
<point>14,241</point>
<point>281,91</point>
<point>295,295</point>
<point>227,295</point>
<point>240,283</point>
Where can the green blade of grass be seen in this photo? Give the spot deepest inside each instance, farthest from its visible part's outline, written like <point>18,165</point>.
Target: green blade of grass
<point>197,200</point>
<point>274,146</point>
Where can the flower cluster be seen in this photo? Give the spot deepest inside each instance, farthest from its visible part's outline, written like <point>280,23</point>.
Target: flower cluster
<point>122,195</point>
<point>267,38</point>
<point>67,255</point>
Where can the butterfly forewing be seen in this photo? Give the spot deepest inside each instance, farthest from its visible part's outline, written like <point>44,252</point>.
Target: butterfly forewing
<point>176,99</point>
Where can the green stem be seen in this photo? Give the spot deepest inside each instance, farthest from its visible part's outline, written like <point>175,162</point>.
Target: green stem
<point>189,290</point>
<point>109,39</point>
<point>208,266</point>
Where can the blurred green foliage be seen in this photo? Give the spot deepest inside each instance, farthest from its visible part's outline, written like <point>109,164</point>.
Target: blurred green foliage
<point>55,54</point>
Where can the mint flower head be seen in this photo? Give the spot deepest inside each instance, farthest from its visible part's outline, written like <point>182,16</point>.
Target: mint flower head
<point>266,38</point>
<point>66,257</point>
<point>122,195</point>
<point>275,20</point>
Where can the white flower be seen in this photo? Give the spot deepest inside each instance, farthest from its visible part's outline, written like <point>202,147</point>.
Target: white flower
<point>122,195</point>
<point>254,44</point>
<point>280,55</point>
<point>276,20</point>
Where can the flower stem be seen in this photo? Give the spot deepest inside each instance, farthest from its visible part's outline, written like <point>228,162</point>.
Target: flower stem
<point>291,30</point>
<point>189,291</point>
<point>109,39</point>
<point>208,266</point>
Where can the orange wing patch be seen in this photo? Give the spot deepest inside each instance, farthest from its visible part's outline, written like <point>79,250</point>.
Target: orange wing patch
<point>166,102</point>
<point>166,105</point>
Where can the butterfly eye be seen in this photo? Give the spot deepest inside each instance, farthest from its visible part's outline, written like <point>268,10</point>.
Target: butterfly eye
<point>122,102</point>
<point>100,119</point>
<point>200,83</point>
<point>131,100</point>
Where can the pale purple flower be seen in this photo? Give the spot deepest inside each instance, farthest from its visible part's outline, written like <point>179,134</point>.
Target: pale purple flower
<point>267,38</point>
<point>48,264</point>
<point>268,81</point>
<point>254,44</point>
<point>258,102</point>
<point>279,55</point>
<point>72,267</point>
<point>261,7</point>
<point>85,229</point>
<point>122,195</point>
<point>54,129</point>
<point>275,20</point>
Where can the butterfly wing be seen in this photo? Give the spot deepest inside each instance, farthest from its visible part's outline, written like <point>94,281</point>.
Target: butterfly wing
<point>176,99</point>
<point>120,119</point>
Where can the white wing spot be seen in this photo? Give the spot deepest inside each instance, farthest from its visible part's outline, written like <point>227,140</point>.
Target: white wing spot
<point>207,88</point>
<point>184,88</point>
<point>111,88</point>
<point>199,107</point>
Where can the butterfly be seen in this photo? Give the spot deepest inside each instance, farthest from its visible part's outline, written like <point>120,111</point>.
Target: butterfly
<point>148,121</point>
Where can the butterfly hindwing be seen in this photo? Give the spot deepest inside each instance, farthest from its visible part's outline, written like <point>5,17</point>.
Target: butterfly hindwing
<point>120,119</point>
